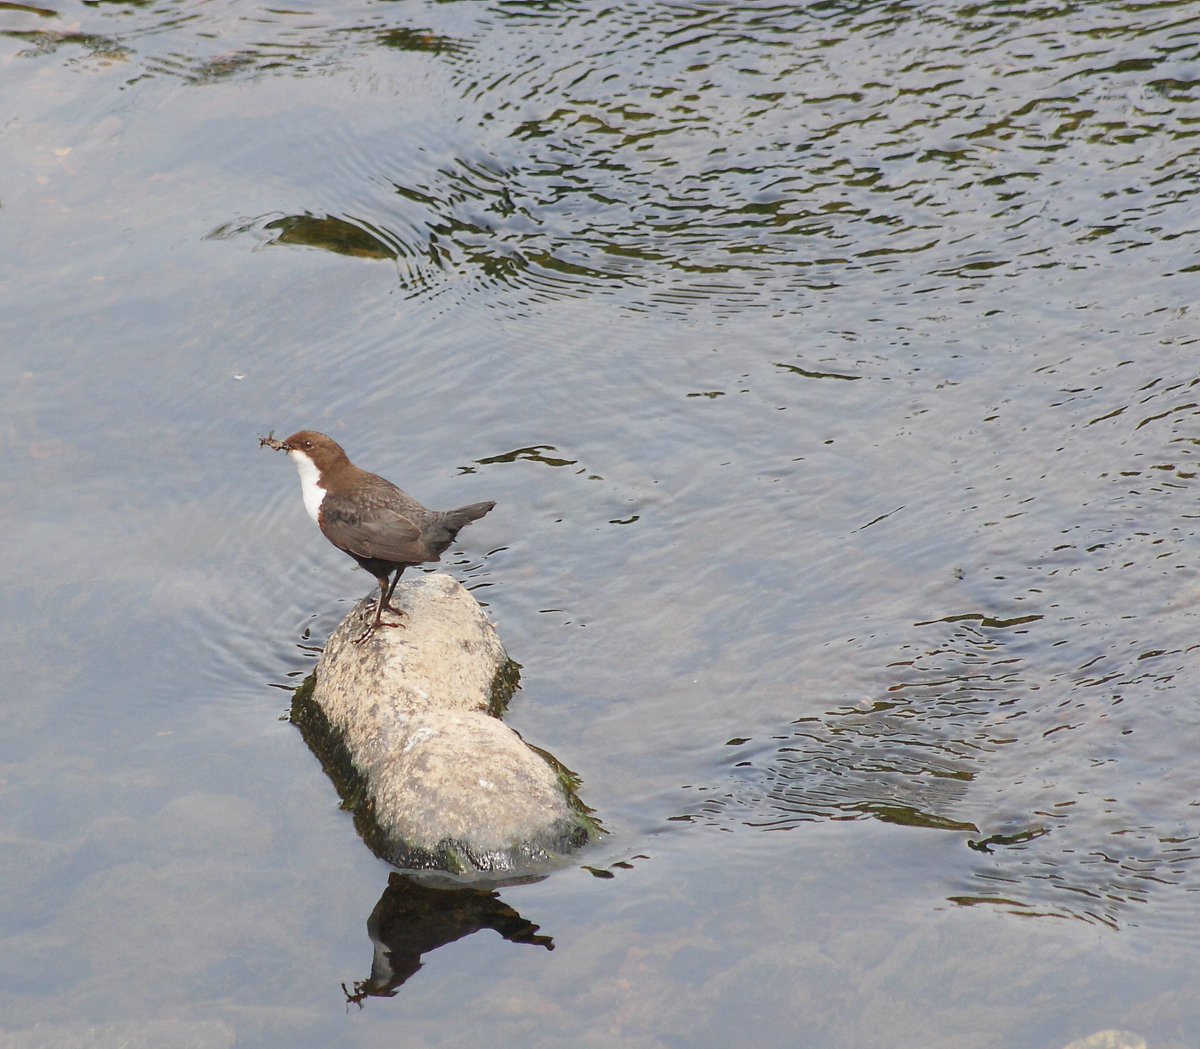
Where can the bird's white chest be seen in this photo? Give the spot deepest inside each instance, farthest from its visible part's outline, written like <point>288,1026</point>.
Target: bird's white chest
<point>309,478</point>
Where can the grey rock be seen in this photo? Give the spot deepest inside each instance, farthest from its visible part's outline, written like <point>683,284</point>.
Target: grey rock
<point>445,656</point>
<point>406,724</point>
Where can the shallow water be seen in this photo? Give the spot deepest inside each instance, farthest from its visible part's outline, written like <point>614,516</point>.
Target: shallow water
<point>833,368</point>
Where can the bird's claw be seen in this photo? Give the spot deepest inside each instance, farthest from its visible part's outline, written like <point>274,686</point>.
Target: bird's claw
<point>369,632</point>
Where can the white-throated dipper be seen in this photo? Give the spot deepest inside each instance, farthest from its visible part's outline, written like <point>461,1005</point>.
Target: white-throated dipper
<point>384,529</point>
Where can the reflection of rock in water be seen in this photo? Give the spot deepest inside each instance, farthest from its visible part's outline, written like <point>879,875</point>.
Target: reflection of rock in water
<point>1025,768</point>
<point>411,920</point>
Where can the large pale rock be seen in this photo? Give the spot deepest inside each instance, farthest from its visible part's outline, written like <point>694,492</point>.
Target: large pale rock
<point>404,725</point>
<point>446,655</point>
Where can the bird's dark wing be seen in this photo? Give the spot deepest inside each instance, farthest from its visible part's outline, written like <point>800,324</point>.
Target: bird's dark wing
<point>375,525</point>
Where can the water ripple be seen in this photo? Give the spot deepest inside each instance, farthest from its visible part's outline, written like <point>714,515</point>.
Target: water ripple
<point>745,156</point>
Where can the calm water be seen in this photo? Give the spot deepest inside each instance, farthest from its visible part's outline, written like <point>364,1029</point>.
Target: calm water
<point>834,369</point>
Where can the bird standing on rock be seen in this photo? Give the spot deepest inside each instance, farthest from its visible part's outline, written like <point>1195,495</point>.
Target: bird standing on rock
<point>384,529</point>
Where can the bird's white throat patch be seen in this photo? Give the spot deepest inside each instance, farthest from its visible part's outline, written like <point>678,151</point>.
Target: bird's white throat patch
<point>309,477</point>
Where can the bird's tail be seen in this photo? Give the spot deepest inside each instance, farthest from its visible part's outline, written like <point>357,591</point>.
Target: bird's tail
<point>464,515</point>
<point>453,520</point>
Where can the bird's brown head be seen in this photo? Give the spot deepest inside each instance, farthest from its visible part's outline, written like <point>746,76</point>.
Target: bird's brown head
<point>324,452</point>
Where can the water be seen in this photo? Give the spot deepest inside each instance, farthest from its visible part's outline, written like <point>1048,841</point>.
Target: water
<point>833,369</point>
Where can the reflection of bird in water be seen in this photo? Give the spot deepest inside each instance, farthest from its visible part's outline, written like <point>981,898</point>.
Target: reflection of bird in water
<point>411,920</point>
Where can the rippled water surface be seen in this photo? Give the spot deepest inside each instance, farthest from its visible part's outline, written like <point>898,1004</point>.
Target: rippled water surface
<point>834,368</point>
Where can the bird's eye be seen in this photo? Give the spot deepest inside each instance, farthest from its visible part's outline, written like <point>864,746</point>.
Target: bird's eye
<point>308,444</point>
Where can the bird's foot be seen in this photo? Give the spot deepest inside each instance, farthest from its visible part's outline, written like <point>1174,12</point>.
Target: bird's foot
<point>366,634</point>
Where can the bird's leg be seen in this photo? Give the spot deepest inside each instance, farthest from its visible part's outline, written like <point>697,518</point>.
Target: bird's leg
<point>378,614</point>
<point>385,596</point>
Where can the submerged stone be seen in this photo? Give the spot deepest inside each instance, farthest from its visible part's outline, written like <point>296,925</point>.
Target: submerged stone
<point>407,726</point>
